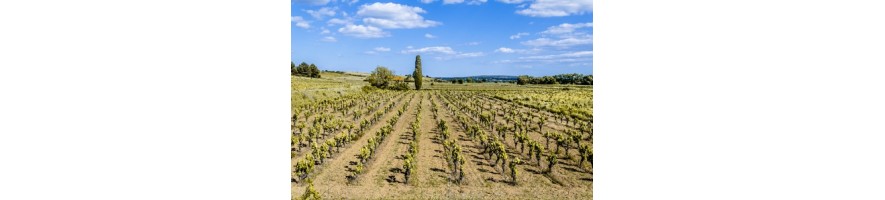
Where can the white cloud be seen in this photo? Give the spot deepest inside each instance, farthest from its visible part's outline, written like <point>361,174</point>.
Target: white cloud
<point>300,22</point>
<point>504,50</point>
<point>470,55</point>
<point>563,42</point>
<point>511,1</point>
<point>469,2</point>
<point>557,8</point>
<point>577,58</point>
<point>428,35</point>
<point>394,16</point>
<point>325,31</point>
<point>566,28</point>
<point>322,12</point>
<point>329,39</point>
<point>336,21</point>
<point>361,31</point>
<point>472,43</point>
<point>352,2</point>
<point>460,55</point>
<point>521,51</point>
<point>427,1</point>
<point>577,54</point>
<point>444,52</point>
<point>518,35</point>
<point>437,49</point>
<point>312,2</point>
<point>385,49</point>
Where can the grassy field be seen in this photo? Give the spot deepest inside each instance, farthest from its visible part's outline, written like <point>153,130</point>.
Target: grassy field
<point>354,144</point>
<point>331,85</point>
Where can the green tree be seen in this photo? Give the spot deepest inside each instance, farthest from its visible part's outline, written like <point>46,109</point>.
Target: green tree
<point>380,77</point>
<point>314,71</point>
<point>522,80</point>
<point>293,68</point>
<point>417,74</point>
<point>302,70</point>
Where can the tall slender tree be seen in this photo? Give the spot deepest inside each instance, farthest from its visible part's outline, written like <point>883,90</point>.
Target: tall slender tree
<point>417,74</point>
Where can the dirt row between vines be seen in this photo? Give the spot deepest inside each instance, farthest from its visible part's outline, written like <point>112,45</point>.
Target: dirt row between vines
<point>334,172</point>
<point>487,180</point>
<point>583,172</point>
<point>302,152</point>
<point>432,178</point>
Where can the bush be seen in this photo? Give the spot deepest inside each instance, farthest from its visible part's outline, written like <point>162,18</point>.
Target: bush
<point>381,77</point>
<point>399,86</point>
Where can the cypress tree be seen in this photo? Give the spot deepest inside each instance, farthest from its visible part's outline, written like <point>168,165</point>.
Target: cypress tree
<point>417,74</point>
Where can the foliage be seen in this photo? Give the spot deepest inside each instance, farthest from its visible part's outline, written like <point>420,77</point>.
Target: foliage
<point>305,70</point>
<point>398,86</point>
<point>576,79</point>
<point>384,78</point>
<point>417,74</point>
<point>310,193</point>
<point>551,160</point>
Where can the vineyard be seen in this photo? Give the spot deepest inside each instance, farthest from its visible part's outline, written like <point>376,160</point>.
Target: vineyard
<point>481,141</point>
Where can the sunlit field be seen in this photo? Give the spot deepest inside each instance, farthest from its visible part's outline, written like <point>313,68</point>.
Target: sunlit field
<point>445,141</point>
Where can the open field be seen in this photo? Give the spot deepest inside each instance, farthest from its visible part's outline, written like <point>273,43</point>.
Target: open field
<point>306,90</point>
<point>446,141</point>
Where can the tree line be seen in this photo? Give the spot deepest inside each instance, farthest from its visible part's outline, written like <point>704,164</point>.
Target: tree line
<point>577,79</point>
<point>305,70</point>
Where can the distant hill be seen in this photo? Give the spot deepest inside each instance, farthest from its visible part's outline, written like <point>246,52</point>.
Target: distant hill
<point>486,77</point>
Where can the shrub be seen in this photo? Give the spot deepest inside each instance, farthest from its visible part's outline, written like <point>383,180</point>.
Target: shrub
<point>399,86</point>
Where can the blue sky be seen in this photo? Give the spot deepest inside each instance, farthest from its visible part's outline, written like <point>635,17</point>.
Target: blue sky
<point>453,37</point>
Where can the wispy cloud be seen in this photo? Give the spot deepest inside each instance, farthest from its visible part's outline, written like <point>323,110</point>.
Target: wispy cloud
<point>428,35</point>
<point>312,2</point>
<point>576,58</point>
<point>383,49</point>
<point>442,52</point>
<point>563,36</point>
<point>522,51</point>
<point>469,2</point>
<point>565,42</point>
<point>518,35</point>
<point>511,1</point>
<point>329,39</point>
<point>557,8</point>
<point>435,49</point>
<point>460,55</point>
<point>566,28</point>
<point>337,21</point>
<point>361,31</point>
<point>300,22</point>
<point>504,50</point>
<point>322,12</point>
